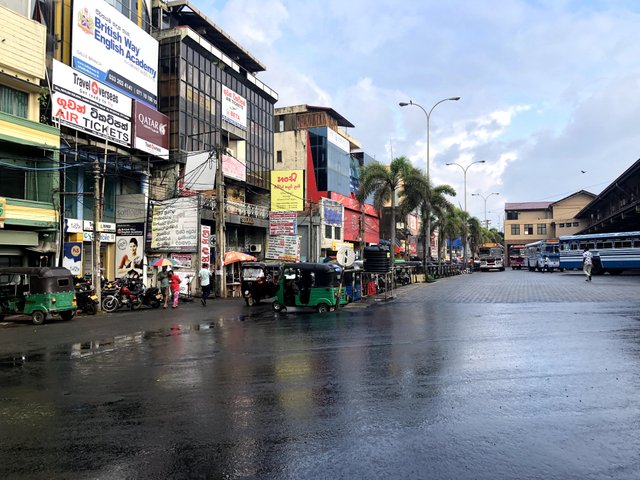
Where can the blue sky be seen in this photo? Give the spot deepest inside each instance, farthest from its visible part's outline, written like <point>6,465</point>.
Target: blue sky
<point>548,87</point>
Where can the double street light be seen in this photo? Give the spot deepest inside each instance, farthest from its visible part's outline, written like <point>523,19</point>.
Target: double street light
<point>485,197</point>
<point>464,171</point>
<point>428,115</point>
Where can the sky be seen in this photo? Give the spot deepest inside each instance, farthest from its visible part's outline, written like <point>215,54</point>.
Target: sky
<point>549,88</point>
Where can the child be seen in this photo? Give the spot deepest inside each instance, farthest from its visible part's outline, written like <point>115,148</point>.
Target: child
<point>174,282</point>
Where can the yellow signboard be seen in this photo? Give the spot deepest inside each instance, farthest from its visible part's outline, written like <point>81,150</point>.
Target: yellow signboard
<point>287,190</point>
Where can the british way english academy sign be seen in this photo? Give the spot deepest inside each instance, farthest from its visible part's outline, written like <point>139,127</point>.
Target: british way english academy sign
<point>110,48</point>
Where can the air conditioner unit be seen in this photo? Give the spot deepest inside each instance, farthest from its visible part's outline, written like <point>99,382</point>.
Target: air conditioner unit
<point>255,248</point>
<point>230,151</point>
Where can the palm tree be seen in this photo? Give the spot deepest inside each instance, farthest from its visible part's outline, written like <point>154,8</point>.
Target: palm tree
<point>420,194</point>
<point>384,182</point>
<point>475,235</point>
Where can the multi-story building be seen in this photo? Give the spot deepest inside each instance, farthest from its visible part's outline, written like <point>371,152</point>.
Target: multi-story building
<point>528,222</point>
<point>29,149</point>
<point>315,139</point>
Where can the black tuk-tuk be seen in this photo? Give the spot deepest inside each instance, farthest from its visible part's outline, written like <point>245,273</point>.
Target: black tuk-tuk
<point>37,292</point>
<point>259,280</point>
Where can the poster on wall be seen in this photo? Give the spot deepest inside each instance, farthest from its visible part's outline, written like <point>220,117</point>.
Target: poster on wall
<point>129,249</point>
<point>234,108</point>
<point>72,259</point>
<point>112,49</point>
<point>283,223</point>
<point>332,212</point>
<point>174,227</point>
<point>284,248</point>
<point>205,245</point>
<point>287,190</point>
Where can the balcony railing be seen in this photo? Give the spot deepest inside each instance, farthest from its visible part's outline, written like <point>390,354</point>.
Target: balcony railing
<point>239,208</point>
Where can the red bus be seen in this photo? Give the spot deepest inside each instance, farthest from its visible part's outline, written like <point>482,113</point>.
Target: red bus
<point>516,256</point>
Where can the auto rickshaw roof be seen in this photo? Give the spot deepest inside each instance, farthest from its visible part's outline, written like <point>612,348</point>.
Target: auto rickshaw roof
<point>317,267</point>
<point>43,272</point>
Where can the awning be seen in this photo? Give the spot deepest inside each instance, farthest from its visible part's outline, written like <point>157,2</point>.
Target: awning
<point>44,247</point>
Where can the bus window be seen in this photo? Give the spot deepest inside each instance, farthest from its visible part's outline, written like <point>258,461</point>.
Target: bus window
<point>602,245</point>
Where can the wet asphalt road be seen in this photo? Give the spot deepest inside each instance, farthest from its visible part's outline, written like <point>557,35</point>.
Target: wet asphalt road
<point>502,375</point>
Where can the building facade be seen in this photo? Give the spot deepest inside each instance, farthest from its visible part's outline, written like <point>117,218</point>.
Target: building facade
<point>314,139</point>
<point>29,149</point>
<point>529,222</point>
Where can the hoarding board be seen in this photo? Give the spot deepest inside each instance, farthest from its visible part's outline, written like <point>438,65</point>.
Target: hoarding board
<point>110,48</point>
<point>150,130</point>
<point>174,227</point>
<point>234,108</point>
<point>287,190</point>
<point>82,103</point>
<point>283,223</point>
<point>283,247</point>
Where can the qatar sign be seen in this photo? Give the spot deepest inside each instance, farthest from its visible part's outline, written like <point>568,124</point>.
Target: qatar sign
<point>150,130</point>
<point>110,48</point>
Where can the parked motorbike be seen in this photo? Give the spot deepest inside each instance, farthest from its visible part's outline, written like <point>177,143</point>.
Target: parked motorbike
<point>152,297</point>
<point>86,298</point>
<point>128,294</point>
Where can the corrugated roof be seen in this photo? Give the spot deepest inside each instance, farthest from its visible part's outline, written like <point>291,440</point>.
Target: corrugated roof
<point>527,206</point>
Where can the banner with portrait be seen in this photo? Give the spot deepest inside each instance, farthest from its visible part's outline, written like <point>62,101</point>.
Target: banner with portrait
<point>129,249</point>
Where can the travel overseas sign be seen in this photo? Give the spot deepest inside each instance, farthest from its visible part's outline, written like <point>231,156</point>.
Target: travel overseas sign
<point>109,47</point>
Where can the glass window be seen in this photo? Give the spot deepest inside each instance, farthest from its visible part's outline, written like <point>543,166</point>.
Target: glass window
<point>512,215</point>
<point>327,231</point>
<point>528,229</point>
<point>279,156</point>
<point>337,232</point>
<point>515,229</point>
<point>542,229</point>
<point>576,224</point>
<point>13,102</point>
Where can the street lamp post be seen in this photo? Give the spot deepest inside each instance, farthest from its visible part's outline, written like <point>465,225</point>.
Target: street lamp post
<point>464,171</point>
<point>486,222</point>
<point>428,115</point>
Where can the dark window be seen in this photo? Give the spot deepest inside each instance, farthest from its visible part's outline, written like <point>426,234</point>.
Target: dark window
<point>528,229</point>
<point>337,232</point>
<point>12,183</point>
<point>512,215</point>
<point>13,102</point>
<point>515,229</point>
<point>576,224</point>
<point>542,229</point>
<point>279,156</point>
<point>327,231</point>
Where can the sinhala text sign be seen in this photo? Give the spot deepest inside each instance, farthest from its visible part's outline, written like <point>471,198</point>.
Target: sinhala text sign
<point>283,223</point>
<point>283,247</point>
<point>174,227</point>
<point>287,190</point>
<point>109,47</point>
<point>84,104</point>
<point>234,108</point>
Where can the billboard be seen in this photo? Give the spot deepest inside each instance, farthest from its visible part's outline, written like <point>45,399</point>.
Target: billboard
<point>174,227</point>
<point>109,47</point>
<point>84,104</point>
<point>233,167</point>
<point>283,223</point>
<point>150,130</point>
<point>234,108</point>
<point>283,247</point>
<point>129,249</point>
<point>287,190</point>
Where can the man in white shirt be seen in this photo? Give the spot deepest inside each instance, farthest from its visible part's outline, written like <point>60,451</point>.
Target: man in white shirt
<point>587,263</point>
<point>205,282</point>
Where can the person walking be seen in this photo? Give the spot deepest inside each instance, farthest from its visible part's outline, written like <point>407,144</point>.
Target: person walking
<point>163,280</point>
<point>587,263</point>
<point>205,282</point>
<point>174,282</point>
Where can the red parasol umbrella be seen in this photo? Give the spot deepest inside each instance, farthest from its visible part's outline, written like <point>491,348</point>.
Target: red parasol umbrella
<point>232,257</point>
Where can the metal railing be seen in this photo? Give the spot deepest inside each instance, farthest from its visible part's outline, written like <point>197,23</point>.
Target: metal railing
<point>238,208</point>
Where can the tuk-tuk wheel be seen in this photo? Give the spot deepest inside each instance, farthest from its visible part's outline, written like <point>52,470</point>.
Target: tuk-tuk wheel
<point>277,307</point>
<point>91,309</point>
<point>66,316</point>
<point>38,317</point>
<point>323,308</point>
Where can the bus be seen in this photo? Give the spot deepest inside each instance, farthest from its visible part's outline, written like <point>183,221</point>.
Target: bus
<point>543,255</point>
<point>491,256</point>
<point>516,256</point>
<point>612,252</point>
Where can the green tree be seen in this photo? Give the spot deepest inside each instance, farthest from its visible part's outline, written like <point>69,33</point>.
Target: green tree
<point>384,183</point>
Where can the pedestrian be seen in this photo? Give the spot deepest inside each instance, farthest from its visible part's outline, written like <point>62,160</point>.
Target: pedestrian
<point>587,263</point>
<point>205,282</point>
<point>163,280</point>
<point>174,282</point>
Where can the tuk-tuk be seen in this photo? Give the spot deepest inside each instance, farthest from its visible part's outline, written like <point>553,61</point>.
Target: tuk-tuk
<point>259,280</point>
<point>37,292</point>
<point>310,285</point>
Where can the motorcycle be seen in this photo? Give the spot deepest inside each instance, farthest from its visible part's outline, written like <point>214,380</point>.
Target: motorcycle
<point>152,297</point>
<point>128,293</point>
<point>86,298</point>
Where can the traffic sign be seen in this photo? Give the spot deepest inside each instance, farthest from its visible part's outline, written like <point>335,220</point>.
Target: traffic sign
<point>346,256</point>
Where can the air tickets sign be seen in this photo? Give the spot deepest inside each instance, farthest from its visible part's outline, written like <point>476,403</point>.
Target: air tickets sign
<point>287,190</point>
<point>110,48</point>
<point>84,104</point>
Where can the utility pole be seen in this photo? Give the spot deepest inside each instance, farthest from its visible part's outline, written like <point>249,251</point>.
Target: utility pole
<point>220,222</point>
<point>97,209</point>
